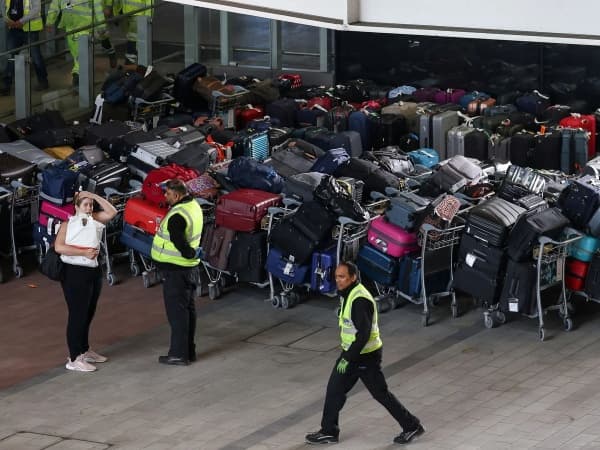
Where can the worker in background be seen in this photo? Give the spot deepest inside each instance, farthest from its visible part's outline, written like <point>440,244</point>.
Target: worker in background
<point>130,6</point>
<point>74,15</point>
<point>23,22</point>
<point>104,35</point>
<point>176,251</point>
<point>360,359</point>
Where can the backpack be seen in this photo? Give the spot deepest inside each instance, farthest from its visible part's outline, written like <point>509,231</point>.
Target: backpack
<point>152,188</point>
<point>246,172</point>
<point>119,86</point>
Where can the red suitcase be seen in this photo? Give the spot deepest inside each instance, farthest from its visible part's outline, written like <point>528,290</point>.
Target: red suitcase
<point>143,214</point>
<point>247,113</point>
<point>576,272</point>
<point>588,123</point>
<point>243,210</point>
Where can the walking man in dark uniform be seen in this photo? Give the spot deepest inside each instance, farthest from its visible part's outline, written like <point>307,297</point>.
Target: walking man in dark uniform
<point>360,359</point>
<point>176,250</point>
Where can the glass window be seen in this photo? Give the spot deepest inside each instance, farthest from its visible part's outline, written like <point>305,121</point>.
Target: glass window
<point>300,46</point>
<point>250,39</point>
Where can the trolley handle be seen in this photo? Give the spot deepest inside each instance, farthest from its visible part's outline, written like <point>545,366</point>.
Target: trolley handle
<point>4,193</point>
<point>343,220</point>
<point>546,240</point>
<point>17,184</point>
<point>427,228</point>
<point>291,202</point>
<point>203,202</point>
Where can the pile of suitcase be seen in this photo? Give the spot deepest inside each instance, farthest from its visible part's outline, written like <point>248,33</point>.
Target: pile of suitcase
<point>305,176</point>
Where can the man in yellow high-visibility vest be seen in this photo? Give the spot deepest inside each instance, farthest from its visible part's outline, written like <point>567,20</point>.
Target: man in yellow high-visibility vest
<point>24,22</point>
<point>360,359</point>
<point>176,251</point>
<point>128,7</point>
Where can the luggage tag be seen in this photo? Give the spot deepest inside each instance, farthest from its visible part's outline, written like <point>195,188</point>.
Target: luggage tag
<point>470,259</point>
<point>513,305</point>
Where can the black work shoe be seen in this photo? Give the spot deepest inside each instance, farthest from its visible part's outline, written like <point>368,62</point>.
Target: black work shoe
<point>321,438</point>
<point>173,360</point>
<point>406,436</point>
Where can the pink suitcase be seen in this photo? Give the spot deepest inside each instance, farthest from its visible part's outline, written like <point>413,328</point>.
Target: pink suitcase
<point>391,239</point>
<point>60,212</point>
<point>449,96</point>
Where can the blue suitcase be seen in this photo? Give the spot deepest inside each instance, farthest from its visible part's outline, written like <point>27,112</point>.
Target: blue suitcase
<point>359,121</point>
<point>322,277</point>
<point>135,239</point>
<point>285,269</point>
<point>377,266</point>
<point>427,157</point>
<point>42,238</point>
<point>409,277</point>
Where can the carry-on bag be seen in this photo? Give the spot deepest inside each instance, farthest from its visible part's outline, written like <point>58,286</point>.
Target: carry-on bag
<point>243,210</point>
<point>580,200</point>
<point>519,289</point>
<point>322,275</point>
<point>46,120</point>
<point>584,249</point>
<point>302,186</point>
<point>586,122</point>
<point>291,243</point>
<point>492,220</point>
<point>184,81</point>
<point>406,210</point>
<point>409,277</point>
<point>58,185</point>
<point>50,210</point>
<point>216,246</point>
<point>426,157</point>
<point>286,269</point>
<point>27,152</point>
<point>248,256</point>
<point>246,172</point>
<point>575,274</point>
<point>293,157</point>
<point>529,227</point>
<point>391,239</point>
<point>481,256</point>
<point>477,284</point>
<point>574,150</point>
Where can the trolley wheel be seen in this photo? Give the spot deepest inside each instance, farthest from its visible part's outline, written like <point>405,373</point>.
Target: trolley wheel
<point>134,268</point>
<point>425,319</point>
<point>568,324</point>
<point>276,301</point>
<point>562,311</point>
<point>112,280</point>
<point>500,317</point>
<point>18,270</point>
<point>541,334</point>
<point>146,280</point>
<point>285,302</point>
<point>488,320</point>
<point>454,309</point>
<point>213,291</point>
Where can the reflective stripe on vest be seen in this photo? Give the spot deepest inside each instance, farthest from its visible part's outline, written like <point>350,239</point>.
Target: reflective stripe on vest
<point>163,250</point>
<point>32,25</point>
<point>348,330</point>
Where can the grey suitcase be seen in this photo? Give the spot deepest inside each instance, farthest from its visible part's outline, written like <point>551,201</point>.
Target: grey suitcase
<point>455,142</point>
<point>433,130</point>
<point>27,152</point>
<point>153,153</point>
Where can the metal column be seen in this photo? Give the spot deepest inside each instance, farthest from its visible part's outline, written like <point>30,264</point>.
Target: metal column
<point>324,50</point>
<point>276,44</point>
<point>2,44</point>
<point>22,86</point>
<point>144,40</point>
<point>225,47</point>
<point>191,34</point>
<point>86,70</point>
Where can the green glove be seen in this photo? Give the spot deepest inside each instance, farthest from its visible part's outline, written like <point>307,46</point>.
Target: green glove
<point>342,365</point>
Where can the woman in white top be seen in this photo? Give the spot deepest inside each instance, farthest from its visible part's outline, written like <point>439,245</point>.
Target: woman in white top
<point>78,243</point>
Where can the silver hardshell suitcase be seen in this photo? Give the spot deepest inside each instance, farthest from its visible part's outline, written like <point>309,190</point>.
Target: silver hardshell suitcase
<point>153,153</point>
<point>456,140</point>
<point>434,128</point>
<point>27,152</point>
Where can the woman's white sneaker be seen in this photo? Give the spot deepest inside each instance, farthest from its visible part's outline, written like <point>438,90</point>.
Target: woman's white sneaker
<point>80,365</point>
<point>92,357</point>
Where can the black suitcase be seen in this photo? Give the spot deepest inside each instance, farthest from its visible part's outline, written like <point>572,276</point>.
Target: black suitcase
<point>522,147</point>
<point>592,280</point>
<point>100,176</point>
<point>37,122</point>
<point>387,129</point>
<point>547,151</point>
<point>182,89</point>
<point>294,157</point>
<point>13,168</point>
<point>481,257</point>
<point>120,147</point>
<point>283,109</point>
<point>477,144</point>
<point>248,256</point>
<point>314,221</point>
<point>103,135</point>
<point>477,284</point>
<point>291,243</point>
<point>150,87</point>
<point>492,220</point>
<point>518,292</point>
<point>524,235</point>
<point>580,200</point>
<point>532,202</point>
<point>195,156</point>
<point>53,137</point>
<point>302,186</point>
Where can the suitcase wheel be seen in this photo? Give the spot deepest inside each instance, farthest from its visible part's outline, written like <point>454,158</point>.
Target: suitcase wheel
<point>134,268</point>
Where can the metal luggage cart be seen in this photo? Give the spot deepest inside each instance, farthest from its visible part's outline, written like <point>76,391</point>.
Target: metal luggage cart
<point>22,200</point>
<point>550,257</point>
<point>149,113</point>
<point>115,226</point>
<point>149,274</point>
<point>5,207</point>
<point>436,243</point>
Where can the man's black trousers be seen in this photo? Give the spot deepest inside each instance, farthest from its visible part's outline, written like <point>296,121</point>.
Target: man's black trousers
<point>371,375</point>
<point>179,288</point>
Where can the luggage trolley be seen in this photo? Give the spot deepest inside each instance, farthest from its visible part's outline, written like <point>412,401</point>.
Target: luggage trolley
<point>23,204</point>
<point>550,258</point>
<point>113,229</point>
<point>149,113</point>
<point>5,206</point>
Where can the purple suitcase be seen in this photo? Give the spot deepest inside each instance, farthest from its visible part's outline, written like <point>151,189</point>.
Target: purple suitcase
<point>449,96</point>
<point>322,277</point>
